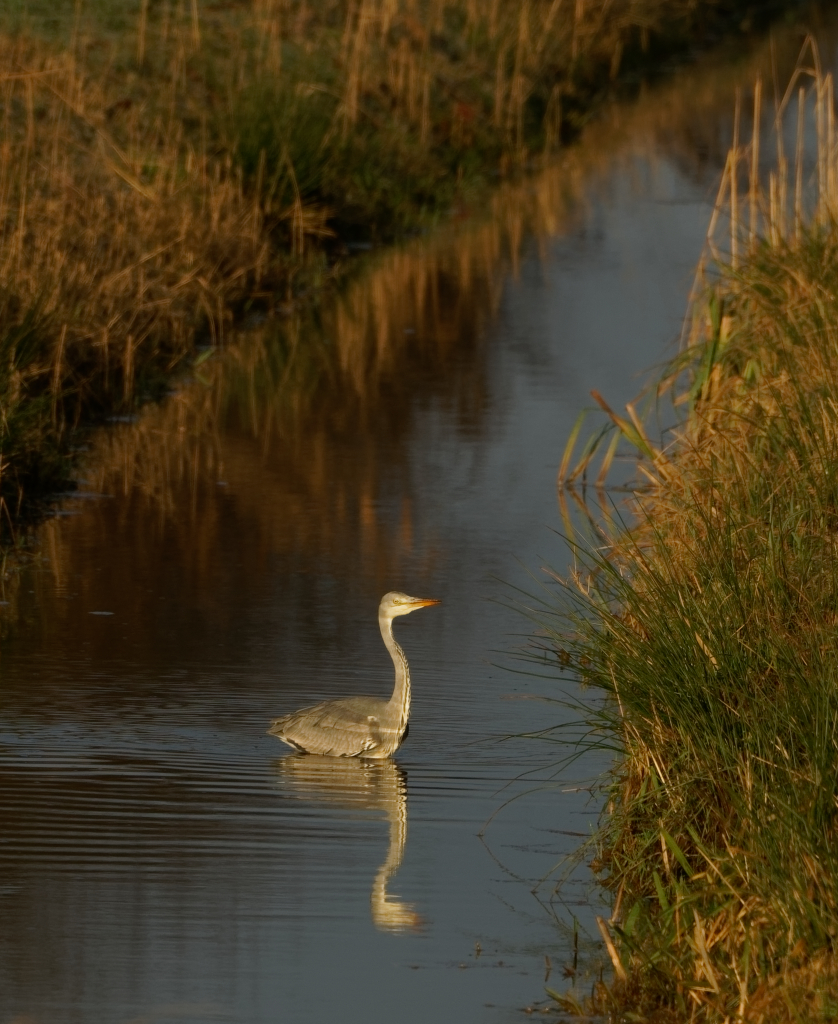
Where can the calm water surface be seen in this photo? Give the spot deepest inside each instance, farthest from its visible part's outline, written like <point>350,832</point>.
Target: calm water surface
<point>161,858</point>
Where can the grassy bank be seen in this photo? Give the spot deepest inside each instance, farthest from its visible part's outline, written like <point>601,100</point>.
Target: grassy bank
<point>712,627</point>
<point>282,400</point>
<point>167,166</point>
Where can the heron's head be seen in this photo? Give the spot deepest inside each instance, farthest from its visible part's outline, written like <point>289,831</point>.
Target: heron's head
<point>395,603</point>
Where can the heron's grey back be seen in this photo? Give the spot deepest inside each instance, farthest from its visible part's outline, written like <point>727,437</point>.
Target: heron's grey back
<point>347,728</point>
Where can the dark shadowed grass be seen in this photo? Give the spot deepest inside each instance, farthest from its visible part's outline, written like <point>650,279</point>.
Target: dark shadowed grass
<point>26,413</point>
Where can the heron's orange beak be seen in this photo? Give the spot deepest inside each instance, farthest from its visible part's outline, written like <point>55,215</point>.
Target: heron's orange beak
<point>427,601</point>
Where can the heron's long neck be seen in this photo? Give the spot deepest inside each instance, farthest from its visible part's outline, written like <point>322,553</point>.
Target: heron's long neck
<point>400,701</point>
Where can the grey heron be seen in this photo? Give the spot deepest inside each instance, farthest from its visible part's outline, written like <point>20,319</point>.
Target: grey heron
<point>359,726</point>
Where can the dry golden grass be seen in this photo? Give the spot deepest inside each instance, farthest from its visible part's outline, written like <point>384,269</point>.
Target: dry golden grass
<point>111,261</point>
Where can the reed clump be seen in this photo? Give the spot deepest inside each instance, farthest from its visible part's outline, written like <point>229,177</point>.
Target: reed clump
<point>165,166</point>
<point>712,626</point>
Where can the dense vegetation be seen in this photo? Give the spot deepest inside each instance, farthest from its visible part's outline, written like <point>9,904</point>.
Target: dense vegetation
<point>712,626</point>
<point>167,165</point>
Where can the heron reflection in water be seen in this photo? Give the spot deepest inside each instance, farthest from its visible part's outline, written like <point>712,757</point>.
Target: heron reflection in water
<point>361,785</point>
<point>359,726</point>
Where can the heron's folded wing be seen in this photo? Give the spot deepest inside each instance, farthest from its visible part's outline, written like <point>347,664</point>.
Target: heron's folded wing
<point>352,713</point>
<point>346,727</point>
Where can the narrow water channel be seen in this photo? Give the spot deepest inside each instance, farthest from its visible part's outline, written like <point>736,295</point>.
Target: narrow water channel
<point>161,858</point>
